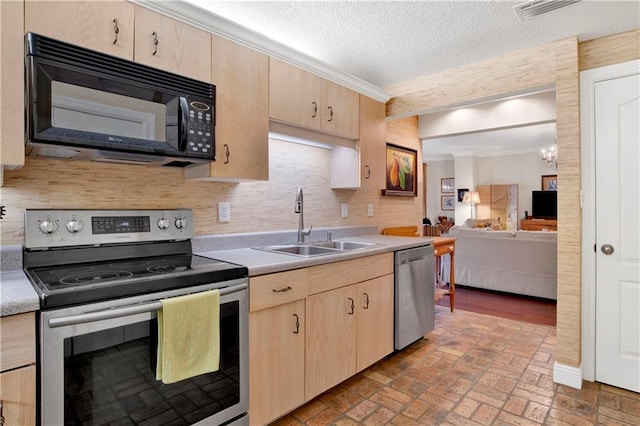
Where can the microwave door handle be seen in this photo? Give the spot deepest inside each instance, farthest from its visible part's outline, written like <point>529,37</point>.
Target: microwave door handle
<point>183,123</point>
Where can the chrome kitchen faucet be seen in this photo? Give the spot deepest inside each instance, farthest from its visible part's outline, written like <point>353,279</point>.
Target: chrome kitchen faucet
<point>300,210</point>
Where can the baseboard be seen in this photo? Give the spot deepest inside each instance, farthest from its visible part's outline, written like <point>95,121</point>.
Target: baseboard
<point>568,376</point>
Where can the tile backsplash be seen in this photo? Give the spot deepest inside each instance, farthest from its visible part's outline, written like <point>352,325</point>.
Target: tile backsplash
<point>255,206</point>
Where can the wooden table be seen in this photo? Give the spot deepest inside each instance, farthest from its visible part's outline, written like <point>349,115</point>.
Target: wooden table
<point>442,246</point>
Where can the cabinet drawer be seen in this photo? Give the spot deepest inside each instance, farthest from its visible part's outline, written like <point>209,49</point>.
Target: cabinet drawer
<point>439,251</point>
<point>270,290</point>
<point>17,340</point>
<point>334,275</point>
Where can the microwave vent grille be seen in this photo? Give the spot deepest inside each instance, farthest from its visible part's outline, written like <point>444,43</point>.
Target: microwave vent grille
<point>118,68</point>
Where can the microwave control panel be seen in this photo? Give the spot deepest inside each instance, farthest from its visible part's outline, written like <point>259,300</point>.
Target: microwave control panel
<point>201,125</point>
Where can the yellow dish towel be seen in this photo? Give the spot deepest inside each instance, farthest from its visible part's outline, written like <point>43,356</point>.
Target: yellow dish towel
<point>188,336</point>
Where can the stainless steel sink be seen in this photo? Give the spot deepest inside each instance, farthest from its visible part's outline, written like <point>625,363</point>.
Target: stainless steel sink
<point>345,245</point>
<point>299,250</point>
<point>316,249</point>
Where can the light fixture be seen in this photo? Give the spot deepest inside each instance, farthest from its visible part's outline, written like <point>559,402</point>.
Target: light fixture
<point>549,154</point>
<point>471,198</point>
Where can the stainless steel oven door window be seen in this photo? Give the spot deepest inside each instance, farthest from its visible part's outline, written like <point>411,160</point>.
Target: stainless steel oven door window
<point>97,365</point>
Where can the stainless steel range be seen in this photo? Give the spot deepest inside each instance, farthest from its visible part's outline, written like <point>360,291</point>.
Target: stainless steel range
<point>100,275</point>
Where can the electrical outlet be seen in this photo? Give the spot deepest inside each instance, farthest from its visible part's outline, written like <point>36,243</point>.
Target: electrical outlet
<point>345,210</point>
<point>369,210</point>
<point>224,212</point>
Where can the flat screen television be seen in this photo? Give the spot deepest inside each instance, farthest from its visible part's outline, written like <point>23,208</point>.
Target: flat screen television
<point>544,204</point>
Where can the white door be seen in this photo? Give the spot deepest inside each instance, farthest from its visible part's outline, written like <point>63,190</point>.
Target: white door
<point>617,183</point>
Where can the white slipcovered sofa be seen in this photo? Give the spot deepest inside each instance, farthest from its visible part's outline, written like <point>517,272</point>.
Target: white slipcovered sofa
<point>521,262</point>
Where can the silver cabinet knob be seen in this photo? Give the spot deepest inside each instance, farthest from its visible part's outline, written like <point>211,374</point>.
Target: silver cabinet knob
<point>607,249</point>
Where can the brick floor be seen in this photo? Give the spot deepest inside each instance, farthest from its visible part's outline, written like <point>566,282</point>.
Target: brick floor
<point>473,369</point>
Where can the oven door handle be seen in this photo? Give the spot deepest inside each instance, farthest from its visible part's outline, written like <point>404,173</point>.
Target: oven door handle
<point>124,311</point>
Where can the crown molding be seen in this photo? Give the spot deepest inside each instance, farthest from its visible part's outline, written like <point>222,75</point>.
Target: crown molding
<point>205,20</point>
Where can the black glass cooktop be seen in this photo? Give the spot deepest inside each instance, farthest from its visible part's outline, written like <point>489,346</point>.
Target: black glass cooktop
<point>81,283</point>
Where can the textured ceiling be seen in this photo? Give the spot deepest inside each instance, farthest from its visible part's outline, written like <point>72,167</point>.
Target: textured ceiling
<point>390,42</point>
<point>495,142</point>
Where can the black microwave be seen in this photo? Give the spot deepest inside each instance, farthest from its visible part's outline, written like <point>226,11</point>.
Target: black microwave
<point>86,105</point>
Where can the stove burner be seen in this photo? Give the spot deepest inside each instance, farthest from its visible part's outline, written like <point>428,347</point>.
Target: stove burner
<point>96,277</point>
<point>164,268</point>
<point>72,270</point>
<point>134,264</point>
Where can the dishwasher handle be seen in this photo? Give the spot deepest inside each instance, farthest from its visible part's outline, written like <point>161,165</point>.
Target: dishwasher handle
<point>402,257</point>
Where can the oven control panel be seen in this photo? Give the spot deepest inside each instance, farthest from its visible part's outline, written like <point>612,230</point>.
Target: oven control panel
<point>62,228</point>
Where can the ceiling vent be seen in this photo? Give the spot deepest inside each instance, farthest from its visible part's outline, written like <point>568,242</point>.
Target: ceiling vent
<point>531,9</point>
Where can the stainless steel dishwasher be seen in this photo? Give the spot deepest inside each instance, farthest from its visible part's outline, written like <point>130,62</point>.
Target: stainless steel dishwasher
<point>414,292</point>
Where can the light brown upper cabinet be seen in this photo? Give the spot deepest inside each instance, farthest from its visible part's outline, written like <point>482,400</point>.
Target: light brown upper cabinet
<point>12,83</point>
<point>242,115</point>
<point>372,143</point>
<point>104,26</point>
<point>303,99</point>
<point>170,45</point>
<point>340,110</point>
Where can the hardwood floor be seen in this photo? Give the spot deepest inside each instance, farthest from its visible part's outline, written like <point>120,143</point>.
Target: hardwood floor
<point>504,305</point>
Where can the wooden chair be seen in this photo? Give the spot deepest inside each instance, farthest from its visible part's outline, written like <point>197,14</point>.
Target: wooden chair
<point>402,231</point>
<point>412,231</point>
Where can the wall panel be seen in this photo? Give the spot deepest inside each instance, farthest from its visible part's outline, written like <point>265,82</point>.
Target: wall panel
<point>553,63</point>
<point>610,50</point>
<point>517,72</point>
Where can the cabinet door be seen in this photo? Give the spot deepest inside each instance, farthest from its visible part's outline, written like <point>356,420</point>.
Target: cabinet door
<point>294,95</point>
<point>180,48</point>
<point>374,302</point>
<point>276,370</point>
<point>105,26</point>
<point>340,110</point>
<point>331,339</point>
<point>242,114</point>
<point>18,396</point>
<point>12,83</point>
<point>372,143</point>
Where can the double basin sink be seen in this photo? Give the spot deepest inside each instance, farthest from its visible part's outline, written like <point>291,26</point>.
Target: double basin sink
<point>317,249</point>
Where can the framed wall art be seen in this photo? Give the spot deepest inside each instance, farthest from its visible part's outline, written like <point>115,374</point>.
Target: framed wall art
<point>401,174</point>
<point>549,182</point>
<point>461,192</point>
<point>447,185</point>
<point>447,202</point>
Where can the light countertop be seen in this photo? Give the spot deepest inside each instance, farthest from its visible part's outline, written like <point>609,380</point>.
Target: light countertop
<point>18,296</point>
<point>262,262</point>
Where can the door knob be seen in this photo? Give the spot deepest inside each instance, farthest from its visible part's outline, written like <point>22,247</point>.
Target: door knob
<point>607,249</point>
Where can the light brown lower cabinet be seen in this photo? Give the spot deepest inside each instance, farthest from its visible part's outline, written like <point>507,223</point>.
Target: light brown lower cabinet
<point>375,321</point>
<point>312,328</point>
<point>331,339</point>
<point>18,377</point>
<point>276,361</point>
<point>348,329</point>
<point>17,393</point>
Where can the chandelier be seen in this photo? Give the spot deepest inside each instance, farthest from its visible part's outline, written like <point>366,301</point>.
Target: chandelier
<point>549,154</point>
